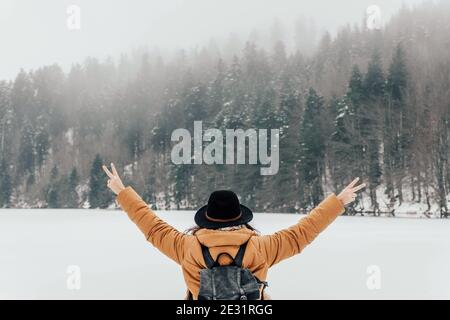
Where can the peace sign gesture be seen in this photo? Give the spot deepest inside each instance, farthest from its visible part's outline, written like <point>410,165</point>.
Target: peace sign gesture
<point>348,195</point>
<point>114,182</point>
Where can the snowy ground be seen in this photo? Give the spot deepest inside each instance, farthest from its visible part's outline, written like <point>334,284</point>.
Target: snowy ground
<point>38,246</point>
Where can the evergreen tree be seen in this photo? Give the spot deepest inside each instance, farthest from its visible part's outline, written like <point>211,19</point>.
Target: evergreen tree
<point>374,83</point>
<point>288,116</point>
<point>346,145</point>
<point>26,157</point>
<point>216,94</point>
<point>149,194</point>
<point>99,195</point>
<point>5,184</point>
<point>52,197</point>
<point>194,103</point>
<point>181,174</point>
<point>342,144</point>
<point>230,115</point>
<point>22,98</point>
<point>279,58</point>
<point>370,118</point>
<point>354,100</point>
<point>72,194</point>
<point>356,88</point>
<point>7,131</point>
<point>42,146</point>
<point>395,127</point>
<point>312,148</point>
<point>397,78</point>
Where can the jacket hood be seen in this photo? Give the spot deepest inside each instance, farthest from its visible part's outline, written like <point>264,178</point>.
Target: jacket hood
<point>218,238</point>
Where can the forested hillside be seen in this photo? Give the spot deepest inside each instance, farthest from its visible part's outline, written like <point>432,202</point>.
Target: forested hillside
<point>367,103</point>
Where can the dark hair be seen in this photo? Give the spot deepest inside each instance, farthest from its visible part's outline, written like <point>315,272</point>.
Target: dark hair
<point>194,229</point>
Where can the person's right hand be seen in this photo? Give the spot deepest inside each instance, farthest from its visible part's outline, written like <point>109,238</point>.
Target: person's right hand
<point>114,182</point>
<point>348,195</point>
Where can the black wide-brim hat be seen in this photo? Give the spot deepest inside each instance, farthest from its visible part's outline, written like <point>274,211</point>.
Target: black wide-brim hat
<point>223,210</point>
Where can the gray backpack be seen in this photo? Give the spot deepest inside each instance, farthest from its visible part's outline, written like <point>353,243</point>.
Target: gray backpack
<point>231,282</point>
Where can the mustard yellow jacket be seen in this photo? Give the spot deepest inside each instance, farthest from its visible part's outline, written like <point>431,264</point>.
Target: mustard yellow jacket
<point>262,251</point>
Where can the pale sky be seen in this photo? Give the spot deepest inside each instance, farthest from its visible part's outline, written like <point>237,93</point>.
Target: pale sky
<point>35,33</point>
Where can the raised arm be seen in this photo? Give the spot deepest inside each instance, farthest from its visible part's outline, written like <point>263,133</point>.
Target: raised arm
<point>288,242</point>
<point>164,237</point>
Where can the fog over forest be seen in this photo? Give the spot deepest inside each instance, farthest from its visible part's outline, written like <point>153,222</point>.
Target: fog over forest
<point>35,33</point>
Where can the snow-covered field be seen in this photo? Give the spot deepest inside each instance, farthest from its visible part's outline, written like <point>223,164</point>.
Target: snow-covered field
<point>37,248</point>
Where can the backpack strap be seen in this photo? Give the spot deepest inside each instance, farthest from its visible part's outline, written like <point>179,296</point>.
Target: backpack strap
<point>240,255</point>
<point>207,256</point>
<point>237,261</point>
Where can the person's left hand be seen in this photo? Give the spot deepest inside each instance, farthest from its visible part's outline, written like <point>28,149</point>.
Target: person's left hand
<point>114,182</point>
<point>348,195</point>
